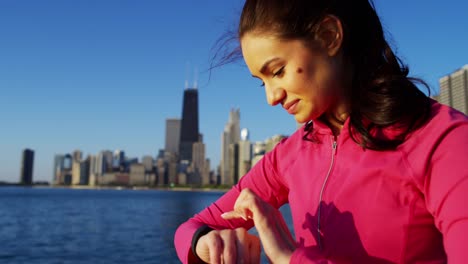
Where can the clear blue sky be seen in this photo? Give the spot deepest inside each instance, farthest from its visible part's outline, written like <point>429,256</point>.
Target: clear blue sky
<point>105,74</point>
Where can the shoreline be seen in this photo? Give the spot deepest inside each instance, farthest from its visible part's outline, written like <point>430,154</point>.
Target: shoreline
<point>118,188</point>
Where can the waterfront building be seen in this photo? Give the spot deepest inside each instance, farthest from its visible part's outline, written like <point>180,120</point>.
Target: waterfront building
<point>231,135</point>
<point>189,130</point>
<point>245,153</point>
<point>172,135</point>
<point>454,90</point>
<point>27,167</point>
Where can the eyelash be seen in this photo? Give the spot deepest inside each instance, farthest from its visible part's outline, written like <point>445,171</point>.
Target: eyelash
<point>279,72</point>
<point>276,74</point>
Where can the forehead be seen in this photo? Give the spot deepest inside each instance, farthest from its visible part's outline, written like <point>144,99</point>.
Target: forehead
<point>257,49</point>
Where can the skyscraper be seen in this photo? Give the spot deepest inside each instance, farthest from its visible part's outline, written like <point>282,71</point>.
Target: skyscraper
<point>172,135</point>
<point>245,153</point>
<point>107,160</point>
<point>94,169</point>
<point>119,160</point>
<point>76,172</point>
<point>454,90</point>
<point>77,155</point>
<point>58,168</point>
<point>148,163</point>
<point>231,135</point>
<point>199,174</point>
<point>189,126</point>
<point>233,163</point>
<point>27,166</point>
<point>258,152</point>
<point>84,171</point>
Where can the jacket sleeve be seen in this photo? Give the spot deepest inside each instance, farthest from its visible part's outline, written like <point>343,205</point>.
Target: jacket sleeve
<point>446,191</point>
<point>311,256</point>
<point>263,179</point>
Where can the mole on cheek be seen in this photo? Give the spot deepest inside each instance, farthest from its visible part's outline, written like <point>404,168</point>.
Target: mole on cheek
<point>299,70</point>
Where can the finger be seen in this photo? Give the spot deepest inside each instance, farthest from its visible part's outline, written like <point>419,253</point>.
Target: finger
<point>233,215</point>
<point>216,249</point>
<point>247,203</point>
<point>254,250</point>
<point>242,244</point>
<point>230,249</point>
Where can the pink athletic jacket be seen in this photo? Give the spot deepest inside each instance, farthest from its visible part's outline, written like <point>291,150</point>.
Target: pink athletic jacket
<point>351,205</point>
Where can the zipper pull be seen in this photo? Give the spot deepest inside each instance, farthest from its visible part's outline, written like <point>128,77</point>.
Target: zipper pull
<point>334,145</point>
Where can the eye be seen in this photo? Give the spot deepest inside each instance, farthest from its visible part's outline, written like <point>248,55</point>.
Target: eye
<point>279,72</point>
<point>262,85</point>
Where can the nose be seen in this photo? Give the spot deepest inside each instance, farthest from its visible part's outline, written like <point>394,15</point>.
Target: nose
<point>275,96</point>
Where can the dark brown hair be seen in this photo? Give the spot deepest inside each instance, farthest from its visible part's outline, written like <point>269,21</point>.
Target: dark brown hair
<point>381,94</point>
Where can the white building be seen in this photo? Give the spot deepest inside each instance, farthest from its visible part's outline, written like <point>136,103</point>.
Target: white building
<point>137,174</point>
<point>245,153</point>
<point>454,90</point>
<point>231,135</point>
<point>148,163</point>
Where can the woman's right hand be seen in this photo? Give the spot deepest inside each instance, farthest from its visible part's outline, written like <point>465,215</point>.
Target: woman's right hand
<point>229,246</point>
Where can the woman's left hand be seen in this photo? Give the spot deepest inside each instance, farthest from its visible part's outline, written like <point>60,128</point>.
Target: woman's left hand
<point>274,234</point>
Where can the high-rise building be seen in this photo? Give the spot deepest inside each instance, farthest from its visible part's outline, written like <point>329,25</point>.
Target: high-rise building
<point>137,174</point>
<point>172,167</point>
<point>77,155</point>
<point>234,163</point>
<point>107,160</point>
<point>76,172</point>
<point>258,152</point>
<point>95,169</point>
<point>27,166</point>
<point>58,168</point>
<point>66,176</point>
<point>206,175</point>
<point>454,90</point>
<point>84,171</point>
<point>261,148</point>
<point>76,167</point>
<point>231,135</point>
<point>162,172</point>
<point>172,135</point>
<point>119,160</point>
<point>245,153</point>
<point>198,175</point>
<point>189,126</point>
<point>100,166</point>
<point>148,163</point>
<point>271,143</point>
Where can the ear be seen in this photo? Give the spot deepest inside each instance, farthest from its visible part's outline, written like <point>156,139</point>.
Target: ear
<point>330,34</point>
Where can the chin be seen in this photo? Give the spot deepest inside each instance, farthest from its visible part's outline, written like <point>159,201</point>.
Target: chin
<point>305,117</point>
<point>301,119</point>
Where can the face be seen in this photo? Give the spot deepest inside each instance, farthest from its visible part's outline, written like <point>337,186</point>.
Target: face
<point>301,79</point>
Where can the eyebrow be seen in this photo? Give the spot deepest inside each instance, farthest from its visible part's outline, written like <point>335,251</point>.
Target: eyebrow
<point>266,64</point>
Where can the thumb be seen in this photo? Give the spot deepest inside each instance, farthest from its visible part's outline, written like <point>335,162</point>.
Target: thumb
<point>234,215</point>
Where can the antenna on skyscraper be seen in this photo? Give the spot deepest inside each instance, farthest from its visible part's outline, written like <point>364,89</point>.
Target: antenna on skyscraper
<point>187,74</point>
<point>195,81</point>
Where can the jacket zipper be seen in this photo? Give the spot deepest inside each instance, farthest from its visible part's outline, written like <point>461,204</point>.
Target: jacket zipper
<point>319,213</point>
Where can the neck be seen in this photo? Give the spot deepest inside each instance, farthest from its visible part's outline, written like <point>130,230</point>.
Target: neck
<point>336,117</point>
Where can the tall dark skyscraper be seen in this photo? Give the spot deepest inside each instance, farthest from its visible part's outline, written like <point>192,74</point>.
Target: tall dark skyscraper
<point>27,167</point>
<point>189,126</point>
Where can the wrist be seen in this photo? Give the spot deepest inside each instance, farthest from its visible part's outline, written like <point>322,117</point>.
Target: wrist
<point>286,256</point>
<point>203,230</point>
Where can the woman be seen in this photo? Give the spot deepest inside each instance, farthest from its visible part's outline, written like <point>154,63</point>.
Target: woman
<point>377,175</point>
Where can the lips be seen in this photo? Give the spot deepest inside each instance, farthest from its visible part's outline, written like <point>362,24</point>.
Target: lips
<point>291,106</point>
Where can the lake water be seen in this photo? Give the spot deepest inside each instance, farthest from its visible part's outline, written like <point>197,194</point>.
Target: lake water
<point>52,225</point>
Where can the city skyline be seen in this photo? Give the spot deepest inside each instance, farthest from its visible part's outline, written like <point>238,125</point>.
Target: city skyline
<point>106,75</point>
